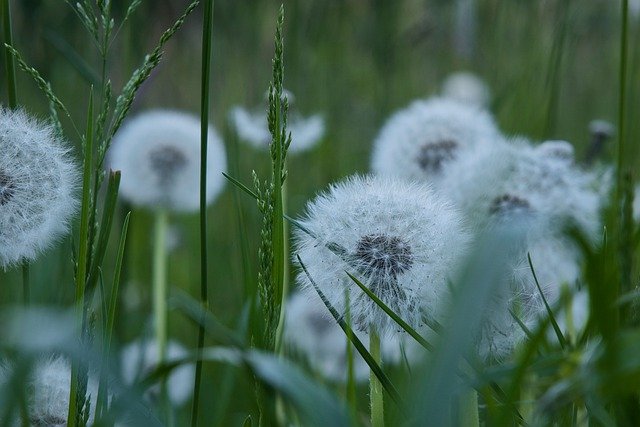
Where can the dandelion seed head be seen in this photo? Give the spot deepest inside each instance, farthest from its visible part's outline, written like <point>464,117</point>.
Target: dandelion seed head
<point>158,153</point>
<point>252,127</point>
<point>556,190</point>
<point>556,262</point>
<point>467,88</point>
<point>561,151</point>
<point>509,205</point>
<point>141,357</point>
<point>38,182</point>
<point>400,239</point>
<point>49,387</point>
<point>420,141</point>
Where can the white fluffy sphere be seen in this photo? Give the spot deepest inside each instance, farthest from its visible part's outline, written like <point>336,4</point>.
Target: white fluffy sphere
<point>467,88</point>
<point>400,239</point>
<point>420,141</point>
<point>38,179</point>
<point>158,153</point>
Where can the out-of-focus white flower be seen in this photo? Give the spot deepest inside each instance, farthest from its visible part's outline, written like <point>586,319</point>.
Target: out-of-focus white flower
<point>312,331</point>
<point>37,329</point>
<point>252,127</point>
<point>38,179</point>
<point>541,189</point>
<point>467,88</point>
<point>401,239</point>
<point>49,387</point>
<point>158,153</point>
<point>542,180</point>
<point>422,140</point>
<point>141,357</point>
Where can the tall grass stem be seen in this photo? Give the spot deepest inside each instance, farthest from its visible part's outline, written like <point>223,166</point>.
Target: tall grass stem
<point>207,34</point>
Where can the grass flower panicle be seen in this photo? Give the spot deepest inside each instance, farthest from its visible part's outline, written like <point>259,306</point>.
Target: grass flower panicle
<point>140,357</point>
<point>158,153</point>
<point>38,182</point>
<point>420,141</point>
<point>401,239</point>
<point>467,88</point>
<point>306,132</point>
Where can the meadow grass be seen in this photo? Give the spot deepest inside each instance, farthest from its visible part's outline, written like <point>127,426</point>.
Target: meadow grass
<point>553,66</point>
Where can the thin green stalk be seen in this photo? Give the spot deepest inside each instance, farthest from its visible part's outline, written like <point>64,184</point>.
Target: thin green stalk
<point>83,254</point>
<point>468,402</point>
<point>626,224</point>
<point>9,60</point>
<point>375,387</point>
<point>160,293</point>
<point>207,34</point>
<point>351,377</point>
<point>13,103</point>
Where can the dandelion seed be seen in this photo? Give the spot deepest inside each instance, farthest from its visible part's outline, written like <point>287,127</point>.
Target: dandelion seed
<point>466,88</point>
<point>49,387</point>
<point>400,239</point>
<point>312,331</point>
<point>158,153</point>
<point>306,132</point>
<point>140,358</point>
<point>38,179</point>
<point>417,143</point>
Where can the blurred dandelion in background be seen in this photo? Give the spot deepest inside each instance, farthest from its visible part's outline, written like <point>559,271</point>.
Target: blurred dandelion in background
<point>251,127</point>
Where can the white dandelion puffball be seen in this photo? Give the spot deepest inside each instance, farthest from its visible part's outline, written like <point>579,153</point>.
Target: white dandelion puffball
<point>49,386</point>
<point>467,88</point>
<point>400,239</point>
<point>420,141</point>
<point>313,332</point>
<point>140,358</point>
<point>38,181</point>
<point>540,183</point>
<point>556,263</point>
<point>158,153</point>
<point>252,128</point>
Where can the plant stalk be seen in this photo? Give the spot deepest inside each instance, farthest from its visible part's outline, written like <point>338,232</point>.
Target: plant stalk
<point>207,35</point>
<point>375,387</point>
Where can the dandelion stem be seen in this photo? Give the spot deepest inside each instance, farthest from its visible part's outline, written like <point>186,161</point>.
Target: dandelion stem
<point>160,290</point>
<point>207,34</point>
<point>375,387</point>
<point>469,416</point>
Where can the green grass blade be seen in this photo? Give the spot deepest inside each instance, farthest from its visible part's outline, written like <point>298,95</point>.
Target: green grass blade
<point>241,186</point>
<point>77,62</point>
<point>207,34</point>
<point>561,339</point>
<point>106,223</point>
<point>8,55</point>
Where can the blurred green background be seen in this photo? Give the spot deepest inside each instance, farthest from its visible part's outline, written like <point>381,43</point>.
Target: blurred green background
<point>552,66</point>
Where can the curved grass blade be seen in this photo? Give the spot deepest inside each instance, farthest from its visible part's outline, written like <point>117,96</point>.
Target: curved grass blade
<point>561,339</point>
<point>404,325</point>
<point>379,373</point>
